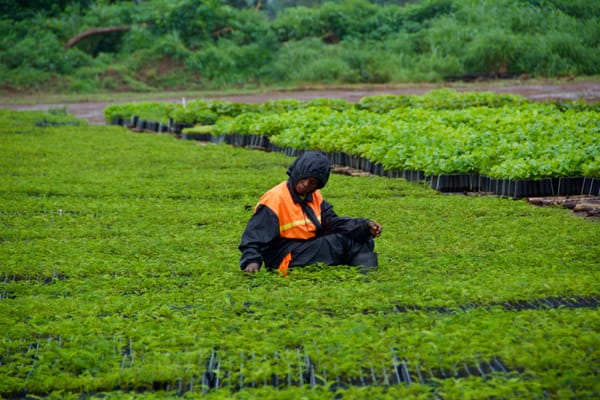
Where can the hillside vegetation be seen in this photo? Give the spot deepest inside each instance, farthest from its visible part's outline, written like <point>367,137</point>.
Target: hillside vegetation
<point>94,46</point>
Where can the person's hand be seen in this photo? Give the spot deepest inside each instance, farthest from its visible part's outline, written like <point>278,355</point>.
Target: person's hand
<point>374,228</point>
<point>252,267</point>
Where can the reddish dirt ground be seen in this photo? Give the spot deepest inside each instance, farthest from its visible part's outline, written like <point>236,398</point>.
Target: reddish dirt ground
<point>557,90</point>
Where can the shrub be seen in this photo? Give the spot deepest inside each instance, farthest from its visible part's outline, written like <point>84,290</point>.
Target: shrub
<point>369,63</point>
<point>554,54</point>
<point>427,10</point>
<point>225,63</point>
<point>297,23</point>
<point>447,36</point>
<point>142,38</point>
<point>492,51</point>
<point>347,19</point>
<point>196,21</point>
<point>38,50</point>
<point>578,8</point>
<point>292,59</point>
<point>171,45</point>
<point>247,26</point>
<point>387,21</point>
<point>576,58</point>
<point>24,78</point>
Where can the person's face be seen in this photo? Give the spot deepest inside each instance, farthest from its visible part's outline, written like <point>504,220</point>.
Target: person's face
<point>305,186</point>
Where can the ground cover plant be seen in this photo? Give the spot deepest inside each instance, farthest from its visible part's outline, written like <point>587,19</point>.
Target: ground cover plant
<point>119,277</point>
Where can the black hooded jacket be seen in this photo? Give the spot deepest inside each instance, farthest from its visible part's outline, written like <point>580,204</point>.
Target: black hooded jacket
<point>261,240</point>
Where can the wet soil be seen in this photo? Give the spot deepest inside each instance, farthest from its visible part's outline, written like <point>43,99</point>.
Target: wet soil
<point>539,91</point>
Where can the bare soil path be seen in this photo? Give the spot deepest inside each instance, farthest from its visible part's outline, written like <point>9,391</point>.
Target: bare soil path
<point>539,91</point>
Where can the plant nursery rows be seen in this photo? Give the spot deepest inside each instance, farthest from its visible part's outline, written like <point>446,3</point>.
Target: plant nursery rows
<point>120,279</point>
<point>456,142</point>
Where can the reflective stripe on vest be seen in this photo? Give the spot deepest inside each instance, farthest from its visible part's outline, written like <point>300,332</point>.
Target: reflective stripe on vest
<point>293,222</point>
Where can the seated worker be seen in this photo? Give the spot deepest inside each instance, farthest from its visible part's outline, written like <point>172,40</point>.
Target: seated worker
<point>292,226</point>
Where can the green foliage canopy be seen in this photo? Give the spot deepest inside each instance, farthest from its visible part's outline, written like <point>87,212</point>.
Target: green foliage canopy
<point>217,44</point>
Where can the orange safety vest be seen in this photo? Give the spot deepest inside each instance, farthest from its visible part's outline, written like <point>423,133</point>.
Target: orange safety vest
<point>293,222</point>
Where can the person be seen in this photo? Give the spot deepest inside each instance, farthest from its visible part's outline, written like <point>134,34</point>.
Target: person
<point>293,226</point>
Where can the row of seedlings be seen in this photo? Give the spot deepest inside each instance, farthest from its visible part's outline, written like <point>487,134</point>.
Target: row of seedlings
<point>445,183</point>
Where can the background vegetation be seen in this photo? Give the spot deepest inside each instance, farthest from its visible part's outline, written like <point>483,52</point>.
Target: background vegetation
<point>208,44</point>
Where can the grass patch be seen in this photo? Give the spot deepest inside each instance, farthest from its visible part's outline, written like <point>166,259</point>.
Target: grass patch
<point>119,274</point>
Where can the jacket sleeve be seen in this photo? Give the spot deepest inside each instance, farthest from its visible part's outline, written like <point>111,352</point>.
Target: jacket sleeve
<point>355,228</point>
<point>261,231</point>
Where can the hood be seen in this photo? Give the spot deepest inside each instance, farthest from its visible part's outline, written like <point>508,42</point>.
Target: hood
<point>311,163</point>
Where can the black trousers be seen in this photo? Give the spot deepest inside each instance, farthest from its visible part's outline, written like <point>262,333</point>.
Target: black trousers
<point>334,249</point>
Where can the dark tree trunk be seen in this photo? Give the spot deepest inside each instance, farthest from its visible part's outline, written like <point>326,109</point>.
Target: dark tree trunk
<point>95,31</point>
